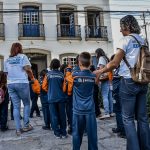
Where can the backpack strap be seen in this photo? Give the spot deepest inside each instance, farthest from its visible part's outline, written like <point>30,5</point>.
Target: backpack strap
<point>127,63</point>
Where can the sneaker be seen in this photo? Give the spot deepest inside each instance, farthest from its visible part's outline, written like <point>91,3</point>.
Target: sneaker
<point>115,130</point>
<point>3,129</point>
<point>38,115</point>
<point>98,116</point>
<point>121,135</point>
<point>112,115</point>
<point>104,116</point>
<point>57,136</point>
<point>29,128</point>
<point>19,132</point>
<point>46,128</point>
<point>64,136</point>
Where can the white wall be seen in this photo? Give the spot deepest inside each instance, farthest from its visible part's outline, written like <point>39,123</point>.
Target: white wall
<point>50,20</point>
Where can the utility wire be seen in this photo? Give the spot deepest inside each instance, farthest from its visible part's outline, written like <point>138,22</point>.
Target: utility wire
<point>66,11</point>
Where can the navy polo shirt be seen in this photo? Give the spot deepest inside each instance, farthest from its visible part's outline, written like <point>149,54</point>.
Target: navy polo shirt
<point>83,89</point>
<point>55,83</point>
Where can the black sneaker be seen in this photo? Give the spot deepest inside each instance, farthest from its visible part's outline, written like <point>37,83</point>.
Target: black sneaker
<point>46,128</point>
<point>57,136</point>
<point>121,135</point>
<point>64,136</point>
<point>116,130</point>
<point>3,129</point>
<point>38,115</point>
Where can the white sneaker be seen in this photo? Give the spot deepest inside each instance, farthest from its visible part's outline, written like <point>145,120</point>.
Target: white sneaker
<point>104,116</point>
<point>112,115</point>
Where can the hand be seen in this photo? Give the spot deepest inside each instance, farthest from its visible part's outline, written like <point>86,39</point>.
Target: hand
<point>97,72</point>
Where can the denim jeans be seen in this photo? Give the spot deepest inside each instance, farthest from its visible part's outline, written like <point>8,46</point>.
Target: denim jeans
<point>117,104</point>
<point>80,124</point>
<point>45,109</point>
<point>58,118</point>
<point>18,92</point>
<point>133,100</point>
<point>107,97</point>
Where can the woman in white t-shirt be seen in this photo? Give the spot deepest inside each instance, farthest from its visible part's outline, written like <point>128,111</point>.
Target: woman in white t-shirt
<point>133,95</point>
<point>105,85</point>
<point>18,68</point>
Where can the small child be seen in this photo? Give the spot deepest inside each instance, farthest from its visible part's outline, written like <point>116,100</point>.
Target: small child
<point>53,84</point>
<point>84,117</point>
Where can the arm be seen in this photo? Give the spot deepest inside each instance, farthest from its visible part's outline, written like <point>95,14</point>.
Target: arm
<point>29,71</point>
<point>45,84</point>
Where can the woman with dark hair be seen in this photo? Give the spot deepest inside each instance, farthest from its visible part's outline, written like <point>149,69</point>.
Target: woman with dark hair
<point>18,68</point>
<point>105,84</point>
<point>4,104</point>
<point>133,94</point>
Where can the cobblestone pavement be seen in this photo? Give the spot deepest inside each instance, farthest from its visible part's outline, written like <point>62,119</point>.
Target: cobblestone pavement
<point>38,139</point>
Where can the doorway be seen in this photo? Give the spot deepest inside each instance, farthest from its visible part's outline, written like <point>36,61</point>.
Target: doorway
<point>38,62</point>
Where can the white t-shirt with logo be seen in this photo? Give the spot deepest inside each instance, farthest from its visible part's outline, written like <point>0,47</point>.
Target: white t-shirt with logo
<point>102,61</point>
<point>14,67</point>
<point>131,48</point>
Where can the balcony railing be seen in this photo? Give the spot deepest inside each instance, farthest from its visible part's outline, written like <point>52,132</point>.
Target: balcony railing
<point>96,32</point>
<point>2,31</point>
<point>35,31</point>
<point>68,31</point>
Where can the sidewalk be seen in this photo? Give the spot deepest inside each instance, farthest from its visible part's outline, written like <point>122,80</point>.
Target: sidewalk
<point>38,139</point>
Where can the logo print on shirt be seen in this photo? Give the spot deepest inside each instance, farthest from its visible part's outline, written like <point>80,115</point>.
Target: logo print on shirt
<point>79,80</point>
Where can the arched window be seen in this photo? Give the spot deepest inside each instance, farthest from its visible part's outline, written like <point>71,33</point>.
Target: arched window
<point>64,58</point>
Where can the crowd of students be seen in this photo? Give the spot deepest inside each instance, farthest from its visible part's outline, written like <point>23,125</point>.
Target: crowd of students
<point>70,95</point>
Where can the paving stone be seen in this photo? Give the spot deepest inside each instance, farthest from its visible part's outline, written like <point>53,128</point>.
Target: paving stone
<point>39,139</point>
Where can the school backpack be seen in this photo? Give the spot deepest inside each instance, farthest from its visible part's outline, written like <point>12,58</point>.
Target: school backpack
<point>140,73</point>
<point>2,95</point>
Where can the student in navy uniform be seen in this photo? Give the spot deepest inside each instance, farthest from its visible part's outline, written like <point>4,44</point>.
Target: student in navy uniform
<point>63,69</point>
<point>84,117</point>
<point>53,83</point>
<point>44,102</point>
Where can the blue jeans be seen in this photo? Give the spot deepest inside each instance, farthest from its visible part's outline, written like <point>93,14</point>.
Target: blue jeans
<point>18,92</point>
<point>107,97</point>
<point>58,118</point>
<point>80,124</point>
<point>117,104</point>
<point>133,100</point>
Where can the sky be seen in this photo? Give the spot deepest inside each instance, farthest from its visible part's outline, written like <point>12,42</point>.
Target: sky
<point>128,5</point>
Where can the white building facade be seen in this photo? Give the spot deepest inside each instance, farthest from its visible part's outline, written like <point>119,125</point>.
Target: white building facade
<point>66,29</point>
